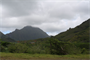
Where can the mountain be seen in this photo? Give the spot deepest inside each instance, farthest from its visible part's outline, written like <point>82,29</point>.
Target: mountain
<point>80,33</point>
<point>27,33</point>
<point>5,38</point>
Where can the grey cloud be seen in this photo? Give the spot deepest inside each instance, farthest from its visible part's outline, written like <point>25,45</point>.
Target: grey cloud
<point>70,10</point>
<point>62,10</point>
<point>19,7</point>
<point>84,7</point>
<point>52,27</point>
<point>60,26</point>
<point>33,19</point>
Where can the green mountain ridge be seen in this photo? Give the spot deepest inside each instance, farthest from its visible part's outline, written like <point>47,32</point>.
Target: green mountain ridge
<point>78,34</point>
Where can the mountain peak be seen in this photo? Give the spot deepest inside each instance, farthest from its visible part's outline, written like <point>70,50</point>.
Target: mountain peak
<point>27,33</point>
<point>28,27</point>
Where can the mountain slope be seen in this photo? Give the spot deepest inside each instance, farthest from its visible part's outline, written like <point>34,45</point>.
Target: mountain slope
<point>27,33</point>
<point>78,34</point>
<point>5,38</point>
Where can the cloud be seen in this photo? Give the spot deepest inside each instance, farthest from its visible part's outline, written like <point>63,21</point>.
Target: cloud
<point>19,8</point>
<point>52,16</point>
<point>69,10</point>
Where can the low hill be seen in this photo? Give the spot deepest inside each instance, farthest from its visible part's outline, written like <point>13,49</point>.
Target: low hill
<point>27,33</point>
<point>5,38</point>
<point>78,34</point>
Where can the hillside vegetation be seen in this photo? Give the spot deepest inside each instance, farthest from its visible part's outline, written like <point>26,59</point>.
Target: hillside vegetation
<point>80,33</point>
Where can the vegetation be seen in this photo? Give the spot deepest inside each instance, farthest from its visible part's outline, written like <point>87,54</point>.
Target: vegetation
<point>50,46</point>
<point>77,34</point>
<point>18,48</point>
<point>3,46</point>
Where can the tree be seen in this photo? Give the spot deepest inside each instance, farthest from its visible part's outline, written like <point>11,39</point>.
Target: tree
<point>56,47</point>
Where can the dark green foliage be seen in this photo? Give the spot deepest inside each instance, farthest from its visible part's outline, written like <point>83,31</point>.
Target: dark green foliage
<point>4,43</point>
<point>18,48</point>
<point>39,46</point>
<point>83,45</point>
<point>36,50</point>
<point>3,46</point>
<point>56,47</point>
<point>48,46</point>
<point>62,48</point>
<point>78,34</point>
<point>83,50</point>
<point>0,42</point>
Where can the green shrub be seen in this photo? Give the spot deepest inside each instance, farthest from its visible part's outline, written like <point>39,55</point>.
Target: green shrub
<point>83,45</point>
<point>62,48</point>
<point>87,51</point>
<point>37,49</point>
<point>2,48</point>
<point>83,50</point>
<point>18,48</point>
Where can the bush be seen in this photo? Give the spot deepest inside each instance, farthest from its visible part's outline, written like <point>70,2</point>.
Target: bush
<point>62,48</point>
<point>37,49</point>
<point>2,48</point>
<point>83,50</point>
<point>83,45</point>
<point>18,48</point>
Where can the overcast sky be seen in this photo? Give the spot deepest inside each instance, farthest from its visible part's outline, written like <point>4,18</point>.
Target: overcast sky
<point>52,16</point>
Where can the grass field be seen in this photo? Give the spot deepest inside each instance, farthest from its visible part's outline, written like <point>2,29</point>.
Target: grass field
<point>24,56</point>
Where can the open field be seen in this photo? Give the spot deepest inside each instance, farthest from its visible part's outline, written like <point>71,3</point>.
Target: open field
<point>24,56</point>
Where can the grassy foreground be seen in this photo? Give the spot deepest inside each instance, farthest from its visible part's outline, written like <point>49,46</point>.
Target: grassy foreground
<point>21,56</point>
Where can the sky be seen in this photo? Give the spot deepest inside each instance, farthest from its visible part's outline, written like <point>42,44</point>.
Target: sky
<point>52,16</point>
